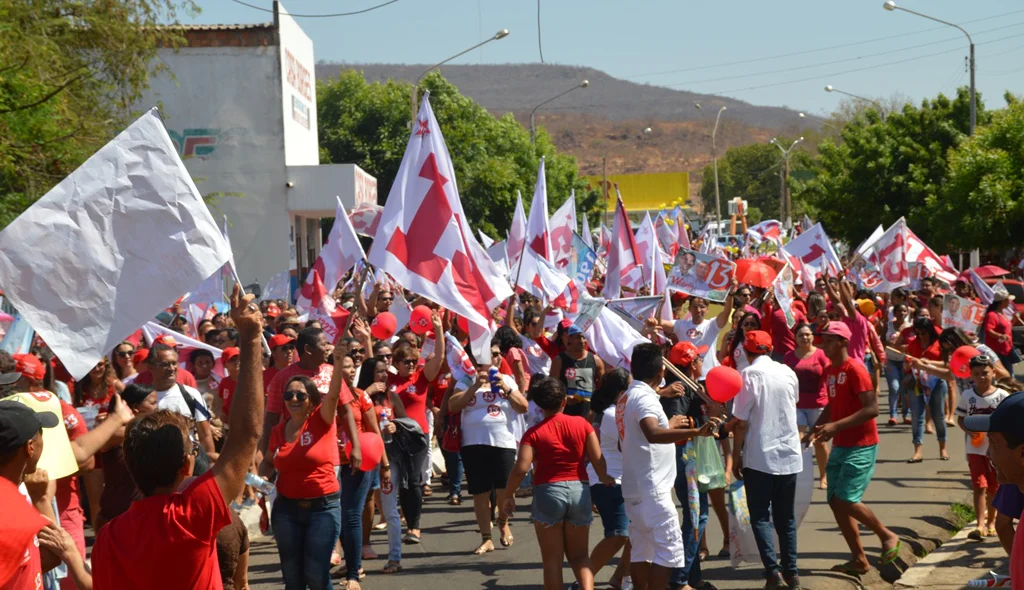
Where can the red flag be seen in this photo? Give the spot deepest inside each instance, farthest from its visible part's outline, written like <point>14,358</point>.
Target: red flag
<point>323,309</point>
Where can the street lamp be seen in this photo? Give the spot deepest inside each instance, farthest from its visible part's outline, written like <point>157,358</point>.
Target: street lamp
<point>415,86</point>
<point>878,105</point>
<point>533,127</point>
<point>714,164</point>
<point>785,206</point>
<point>891,6</point>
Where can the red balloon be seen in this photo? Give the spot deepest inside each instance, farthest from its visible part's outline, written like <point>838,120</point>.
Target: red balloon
<point>372,448</point>
<point>383,326</point>
<point>960,361</point>
<point>419,320</point>
<point>723,383</point>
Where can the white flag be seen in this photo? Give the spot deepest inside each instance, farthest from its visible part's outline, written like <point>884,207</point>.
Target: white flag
<point>485,239</point>
<point>563,226</point>
<point>815,252</point>
<point>588,238</point>
<point>278,287</point>
<point>111,246</point>
<point>517,233</point>
<point>339,255</point>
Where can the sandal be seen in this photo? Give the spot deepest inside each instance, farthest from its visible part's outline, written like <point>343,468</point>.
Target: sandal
<point>892,554</point>
<point>391,568</point>
<point>411,539</point>
<point>509,540</point>
<point>454,500</point>
<point>483,548</point>
<point>915,460</point>
<point>975,535</point>
<point>380,526</point>
<point>427,492</point>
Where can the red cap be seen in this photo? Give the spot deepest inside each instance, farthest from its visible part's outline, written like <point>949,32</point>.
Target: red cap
<point>684,353</point>
<point>757,342</point>
<point>836,329</point>
<point>279,340</point>
<point>229,353</point>
<point>273,310</point>
<point>165,340</point>
<point>30,366</point>
<point>140,356</point>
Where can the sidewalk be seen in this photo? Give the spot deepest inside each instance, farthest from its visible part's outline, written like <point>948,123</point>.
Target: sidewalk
<point>957,562</point>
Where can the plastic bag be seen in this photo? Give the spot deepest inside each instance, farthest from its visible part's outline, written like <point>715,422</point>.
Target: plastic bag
<point>710,469</point>
<point>742,544</point>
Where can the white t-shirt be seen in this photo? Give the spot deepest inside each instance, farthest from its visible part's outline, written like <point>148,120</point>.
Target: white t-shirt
<point>538,360</point>
<point>972,404</point>
<point>702,334</point>
<point>170,399</point>
<point>490,420</point>
<point>609,435</point>
<point>647,469</point>
<point>767,402</point>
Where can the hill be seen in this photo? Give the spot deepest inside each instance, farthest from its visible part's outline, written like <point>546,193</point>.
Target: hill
<point>604,123</point>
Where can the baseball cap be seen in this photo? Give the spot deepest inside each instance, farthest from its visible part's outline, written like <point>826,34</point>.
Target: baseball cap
<point>166,340</point>
<point>273,311</point>
<point>757,341</point>
<point>30,366</point>
<point>279,340</point>
<point>836,329</point>
<point>229,353</point>
<point>574,330</point>
<point>19,423</point>
<point>1001,295</point>
<point>684,352</point>
<point>866,306</point>
<point>1008,417</point>
<point>140,356</point>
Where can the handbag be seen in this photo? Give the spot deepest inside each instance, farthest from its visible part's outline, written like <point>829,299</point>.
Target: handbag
<point>452,439</point>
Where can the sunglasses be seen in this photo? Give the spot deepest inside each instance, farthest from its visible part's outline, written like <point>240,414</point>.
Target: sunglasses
<point>387,298</point>
<point>384,356</point>
<point>356,351</point>
<point>495,353</point>
<point>125,354</point>
<point>408,361</point>
<point>299,396</point>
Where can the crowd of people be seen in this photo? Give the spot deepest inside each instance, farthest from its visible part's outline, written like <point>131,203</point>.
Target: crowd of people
<point>171,442</point>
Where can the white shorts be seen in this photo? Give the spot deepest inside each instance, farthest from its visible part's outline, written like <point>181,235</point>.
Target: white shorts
<point>654,531</point>
<point>808,417</point>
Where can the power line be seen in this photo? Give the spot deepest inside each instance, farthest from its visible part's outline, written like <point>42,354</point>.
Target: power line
<point>363,11</point>
<point>806,51</point>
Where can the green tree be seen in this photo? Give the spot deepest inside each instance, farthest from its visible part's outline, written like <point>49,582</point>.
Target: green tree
<point>752,173</point>
<point>70,72</point>
<point>982,202</point>
<point>884,170</point>
<point>368,124</point>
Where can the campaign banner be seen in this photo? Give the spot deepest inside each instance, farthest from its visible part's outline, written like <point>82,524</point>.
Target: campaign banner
<point>589,309</point>
<point>581,260</point>
<point>965,314</point>
<point>636,310</point>
<point>701,275</point>
<point>784,293</point>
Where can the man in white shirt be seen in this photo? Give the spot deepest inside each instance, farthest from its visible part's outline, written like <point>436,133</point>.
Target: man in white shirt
<point>170,395</point>
<point>699,330</point>
<point>649,471</point>
<point>766,433</point>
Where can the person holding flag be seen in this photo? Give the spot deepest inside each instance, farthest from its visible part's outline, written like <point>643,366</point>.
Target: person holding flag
<point>700,330</point>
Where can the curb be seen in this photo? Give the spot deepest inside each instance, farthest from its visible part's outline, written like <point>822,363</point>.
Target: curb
<point>957,546</point>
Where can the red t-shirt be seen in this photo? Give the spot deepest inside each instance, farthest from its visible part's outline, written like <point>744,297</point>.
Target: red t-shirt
<point>1000,324</point>
<point>783,340</point>
<point>305,466</point>
<point>275,391</point>
<point>438,387</point>
<point>225,391</point>
<point>932,353</point>
<point>845,384</point>
<point>360,403</point>
<point>550,347</point>
<point>69,501</point>
<point>268,375</point>
<point>559,449</point>
<point>179,529</point>
<point>810,374</point>
<point>412,390</point>
<point>184,377</point>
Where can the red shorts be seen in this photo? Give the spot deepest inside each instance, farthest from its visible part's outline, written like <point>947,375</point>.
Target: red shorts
<point>983,474</point>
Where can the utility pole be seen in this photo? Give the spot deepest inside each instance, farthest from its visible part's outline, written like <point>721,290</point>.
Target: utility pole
<point>785,208</point>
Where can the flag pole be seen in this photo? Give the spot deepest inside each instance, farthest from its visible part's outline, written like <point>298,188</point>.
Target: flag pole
<point>519,270</point>
<point>234,274</point>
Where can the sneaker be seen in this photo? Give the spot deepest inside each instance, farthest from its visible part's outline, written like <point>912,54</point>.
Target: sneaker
<point>892,421</point>
<point>775,582</point>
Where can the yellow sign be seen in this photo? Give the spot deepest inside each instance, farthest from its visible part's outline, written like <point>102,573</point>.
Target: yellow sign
<point>58,459</point>
<point>646,192</point>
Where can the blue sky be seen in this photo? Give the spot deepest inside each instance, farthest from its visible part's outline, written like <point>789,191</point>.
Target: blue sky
<point>688,44</point>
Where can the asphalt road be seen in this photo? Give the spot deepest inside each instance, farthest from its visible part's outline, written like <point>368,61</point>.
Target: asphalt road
<point>912,500</point>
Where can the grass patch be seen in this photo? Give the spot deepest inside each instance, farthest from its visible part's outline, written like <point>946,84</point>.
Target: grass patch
<point>961,515</point>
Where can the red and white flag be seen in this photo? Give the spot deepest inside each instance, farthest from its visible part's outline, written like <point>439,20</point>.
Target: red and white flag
<point>563,225</point>
<point>770,229</point>
<point>541,279</point>
<point>889,256</point>
<point>425,241</point>
<point>815,252</point>
<point>338,256</point>
<point>588,238</point>
<point>324,310</point>
<point>517,233</point>
<point>538,236</point>
<point>684,234</point>
<point>919,252</point>
<point>647,244</point>
<point>365,219</point>
<point>668,238</point>
<point>623,255</point>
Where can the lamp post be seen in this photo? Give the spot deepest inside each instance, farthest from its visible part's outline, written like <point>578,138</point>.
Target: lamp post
<point>878,105</point>
<point>714,165</point>
<point>533,113</point>
<point>785,207</point>
<point>891,6</point>
<point>415,86</point>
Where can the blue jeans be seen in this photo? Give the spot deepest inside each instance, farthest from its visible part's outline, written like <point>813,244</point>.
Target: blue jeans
<point>894,374</point>
<point>453,466</point>
<point>937,402</point>
<point>690,573</point>
<point>305,531</point>
<point>772,499</point>
<point>355,485</point>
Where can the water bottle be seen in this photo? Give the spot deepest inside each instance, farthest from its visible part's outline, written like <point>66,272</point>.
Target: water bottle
<point>261,485</point>
<point>492,375</point>
<point>384,434</point>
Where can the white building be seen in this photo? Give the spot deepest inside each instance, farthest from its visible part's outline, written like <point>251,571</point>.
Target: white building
<point>239,101</point>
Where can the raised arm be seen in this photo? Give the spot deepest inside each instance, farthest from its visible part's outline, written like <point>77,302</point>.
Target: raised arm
<point>247,404</point>
<point>723,317</point>
<point>460,399</point>
<point>331,403</point>
<point>87,445</point>
<point>433,366</point>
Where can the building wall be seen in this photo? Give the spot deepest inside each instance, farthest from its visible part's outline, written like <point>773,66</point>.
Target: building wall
<point>223,109</point>
<point>641,192</point>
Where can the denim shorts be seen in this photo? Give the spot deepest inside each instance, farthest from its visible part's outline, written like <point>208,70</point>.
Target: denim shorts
<point>612,509</point>
<point>562,501</point>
